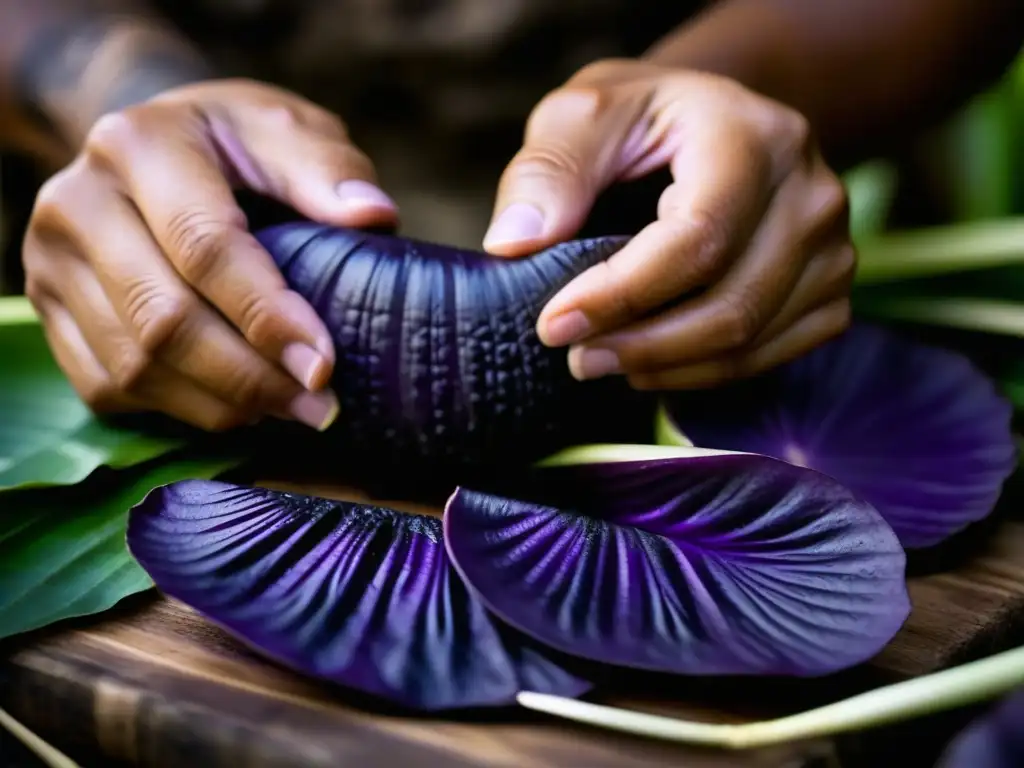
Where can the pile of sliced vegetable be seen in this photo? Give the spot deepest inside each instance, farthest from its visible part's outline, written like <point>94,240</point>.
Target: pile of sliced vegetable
<point>764,531</point>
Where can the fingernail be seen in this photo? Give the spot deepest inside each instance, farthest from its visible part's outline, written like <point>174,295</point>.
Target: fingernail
<point>566,329</point>
<point>357,193</point>
<point>315,409</point>
<point>304,363</point>
<point>520,221</point>
<point>587,363</point>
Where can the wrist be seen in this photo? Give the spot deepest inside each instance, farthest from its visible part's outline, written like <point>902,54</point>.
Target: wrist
<point>84,67</point>
<point>745,41</point>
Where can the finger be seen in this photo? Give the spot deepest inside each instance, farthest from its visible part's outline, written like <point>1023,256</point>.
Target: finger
<point>86,374</point>
<point>129,374</point>
<point>725,318</point>
<point>302,156</point>
<point>572,148</point>
<point>808,333</point>
<point>829,276</point>
<point>189,207</point>
<point>167,391</point>
<point>163,390</point>
<point>721,191</point>
<point>161,321</point>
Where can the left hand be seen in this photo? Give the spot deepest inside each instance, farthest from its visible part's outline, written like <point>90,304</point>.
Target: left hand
<point>754,217</point>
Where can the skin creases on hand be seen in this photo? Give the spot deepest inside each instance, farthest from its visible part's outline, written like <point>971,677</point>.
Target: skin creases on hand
<point>154,294</point>
<point>754,225</point>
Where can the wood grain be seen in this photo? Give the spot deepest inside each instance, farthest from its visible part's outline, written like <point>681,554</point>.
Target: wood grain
<point>152,684</point>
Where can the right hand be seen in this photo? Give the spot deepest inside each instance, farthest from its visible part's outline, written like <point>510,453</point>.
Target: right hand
<point>153,293</point>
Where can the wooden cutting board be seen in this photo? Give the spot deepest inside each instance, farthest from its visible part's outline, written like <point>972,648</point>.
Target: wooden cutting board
<point>153,684</point>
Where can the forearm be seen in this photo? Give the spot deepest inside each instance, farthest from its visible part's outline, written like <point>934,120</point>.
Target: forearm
<point>867,73</point>
<point>64,63</point>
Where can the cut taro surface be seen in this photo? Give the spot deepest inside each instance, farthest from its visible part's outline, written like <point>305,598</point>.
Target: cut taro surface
<point>917,431</point>
<point>687,560</point>
<point>357,595</point>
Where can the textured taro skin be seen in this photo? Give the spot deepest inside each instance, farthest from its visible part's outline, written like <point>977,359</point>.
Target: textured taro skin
<point>361,596</point>
<point>438,356</point>
<point>726,564</point>
<point>917,431</point>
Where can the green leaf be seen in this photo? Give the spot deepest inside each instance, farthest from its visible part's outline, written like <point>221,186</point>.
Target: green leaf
<point>941,250</point>
<point>985,315</point>
<point>970,683</point>
<point>63,551</point>
<point>48,436</point>
<point>975,151</point>
<point>985,300</point>
<point>871,188</point>
<point>1011,381</point>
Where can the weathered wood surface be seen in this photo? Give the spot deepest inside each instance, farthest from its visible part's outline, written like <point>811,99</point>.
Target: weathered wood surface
<point>155,685</point>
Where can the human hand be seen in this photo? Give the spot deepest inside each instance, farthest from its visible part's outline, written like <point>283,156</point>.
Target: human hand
<point>153,293</point>
<point>754,217</point>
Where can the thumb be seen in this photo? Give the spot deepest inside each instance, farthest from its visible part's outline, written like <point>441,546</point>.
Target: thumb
<point>308,162</point>
<point>572,150</point>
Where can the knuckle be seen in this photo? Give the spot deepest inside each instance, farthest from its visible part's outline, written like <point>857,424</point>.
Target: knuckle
<point>543,161</point>
<point>112,133</point>
<point>129,369</point>
<point>51,195</point>
<point>36,289</point>
<point>603,70</point>
<point>257,319</point>
<point>198,240</point>
<point>737,319</point>
<point>578,102</point>
<point>285,117</point>
<point>618,300</point>
<point>711,235</point>
<point>157,318</point>
<point>55,196</point>
<point>842,318</point>
<point>791,133</point>
<point>795,127</point>
<point>352,161</point>
<point>832,198</point>
<point>844,265</point>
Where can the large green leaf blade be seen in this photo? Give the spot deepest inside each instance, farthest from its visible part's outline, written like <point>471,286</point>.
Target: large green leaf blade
<point>940,250</point>
<point>63,552</point>
<point>48,436</point>
<point>871,189</point>
<point>982,300</point>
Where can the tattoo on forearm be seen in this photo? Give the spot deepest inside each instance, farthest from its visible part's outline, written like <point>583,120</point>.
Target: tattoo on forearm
<point>83,68</point>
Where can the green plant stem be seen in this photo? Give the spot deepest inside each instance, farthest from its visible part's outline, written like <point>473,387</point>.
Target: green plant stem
<point>1005,318</point>
<point>941,250</point>
<point>666,432</point>
<point>45,752</point>
<point>949,689</point>
<point>15,310</point>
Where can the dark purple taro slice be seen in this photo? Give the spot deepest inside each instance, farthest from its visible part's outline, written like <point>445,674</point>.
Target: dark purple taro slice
<point>916,430</point>
<point>688,561</point>
<point>438,357</point>
<point>994,740</point>
<point>357,595</point>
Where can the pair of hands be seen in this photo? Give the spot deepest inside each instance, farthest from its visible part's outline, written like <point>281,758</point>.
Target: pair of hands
<point>155,296</point>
